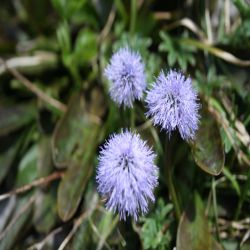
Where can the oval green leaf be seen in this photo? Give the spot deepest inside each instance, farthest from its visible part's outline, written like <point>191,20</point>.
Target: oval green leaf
<point>67,137</point>
<point>76,140</point>
<point>193,230</point>
<point>7,158</point>
<point>45,213</point>
<point>44,161</point>
<point>72,186</point>
<point>27,169</point>
<point>207,148</point>
<point>71,135</point>
<point>12,118</point>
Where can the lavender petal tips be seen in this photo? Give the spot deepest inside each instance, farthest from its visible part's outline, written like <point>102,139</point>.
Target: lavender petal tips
<point>126,76</point>
<point>126,174</point>
<point>173,103</point>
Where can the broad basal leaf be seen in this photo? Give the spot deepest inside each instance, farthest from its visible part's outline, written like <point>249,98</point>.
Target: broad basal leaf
<point>207,148</point>
<point>27,169</point>
<point>44,161</point>
<point>45,212</point>
<point>72,186</point>
<point>6,159</point>
<point>71,135</point>
<point>12,118</point>
<point>74,143</point>
<point>193,230</point>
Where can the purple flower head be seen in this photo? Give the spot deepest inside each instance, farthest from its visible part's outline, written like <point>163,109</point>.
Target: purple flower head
<point>126,76</point>
<point>126,174</point>
<point>172,103</point>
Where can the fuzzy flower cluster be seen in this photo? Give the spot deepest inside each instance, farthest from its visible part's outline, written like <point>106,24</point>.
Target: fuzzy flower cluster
<point>126,174</point>
<point>125,73</point>
<point>172,103</point>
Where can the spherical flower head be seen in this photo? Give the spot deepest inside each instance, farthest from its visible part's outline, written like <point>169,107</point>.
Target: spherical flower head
<point>126,174</point>
<point>172,103</point>
<point>125,73</point>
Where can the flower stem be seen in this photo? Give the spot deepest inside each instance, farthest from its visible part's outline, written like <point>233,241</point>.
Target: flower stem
<point>133,16</point>
<point>132,118</point>
<point>170,184</point>
<point>172,192</point>
<point>215,209</point>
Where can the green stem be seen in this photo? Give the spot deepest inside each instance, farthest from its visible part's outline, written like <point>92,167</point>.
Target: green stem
<point>170,184</point>
<point>172,192</point>
<point>215,209</point>
<point>133,16</point>
<point>75,74</point>
<point>132,118</point>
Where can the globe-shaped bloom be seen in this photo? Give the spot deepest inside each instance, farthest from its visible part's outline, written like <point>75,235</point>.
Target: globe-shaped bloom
<point>173,103</point>
<point>126,76</point>
<point>126,174</point>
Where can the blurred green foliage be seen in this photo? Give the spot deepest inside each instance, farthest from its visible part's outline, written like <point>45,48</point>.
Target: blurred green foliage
<point>55,112</point>
<point>155,231</point>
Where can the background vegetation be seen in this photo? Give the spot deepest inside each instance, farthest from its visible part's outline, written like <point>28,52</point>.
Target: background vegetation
<point>55,112</point>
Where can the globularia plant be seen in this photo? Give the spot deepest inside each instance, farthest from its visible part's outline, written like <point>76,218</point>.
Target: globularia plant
<point>172,103</point>
<point>126,76</point>
<point>127,175</point>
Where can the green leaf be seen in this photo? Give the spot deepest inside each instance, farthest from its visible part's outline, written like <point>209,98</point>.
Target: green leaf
<point>44,161</point>
<point>207,148</point>
<point>227,143</point>
<point>64,41</point>
<point>193,230</point>
<point>72,186</point>
<point>68,135</point>
<point>231,244</point>
<point>67,8</point>
<point>154,231</point>
<point>135,42</point>
<point>178,52</point>
<point>74,143</point>
<point>243,7</point>
<point>83,237</point>
<point>13,118</point>
<point>17,225</point>
<point>74,132</point>
<point>106,225</point>
<point>27,169</point>
<point>6,159</point>
<point>171,59</point>
<point>45,214</point>
<point>85,47</point>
